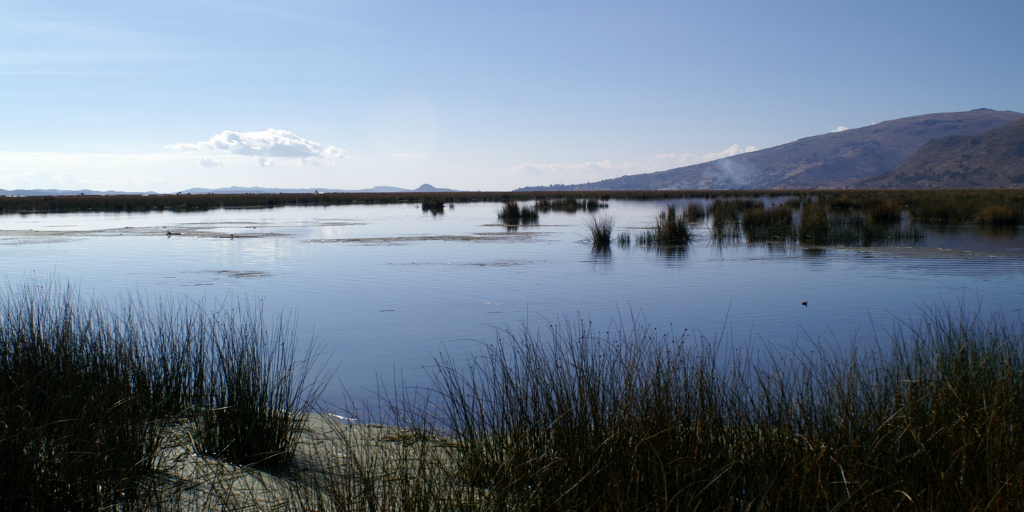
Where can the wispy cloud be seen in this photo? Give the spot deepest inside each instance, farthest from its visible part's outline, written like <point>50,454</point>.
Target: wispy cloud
<point>595,171</point>
<point>209,162</point>
<point>692,159</point>
<point>841,129</point>
<point>264,145</point>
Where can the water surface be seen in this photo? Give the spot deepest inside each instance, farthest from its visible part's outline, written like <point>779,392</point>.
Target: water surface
<point>387,287</point>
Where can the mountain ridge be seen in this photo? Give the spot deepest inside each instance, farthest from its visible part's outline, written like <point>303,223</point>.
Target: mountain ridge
<point>992,159</point>
<point>832,160</point>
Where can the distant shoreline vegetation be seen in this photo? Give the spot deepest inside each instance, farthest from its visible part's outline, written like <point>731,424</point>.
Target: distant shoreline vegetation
<point>989,206</point>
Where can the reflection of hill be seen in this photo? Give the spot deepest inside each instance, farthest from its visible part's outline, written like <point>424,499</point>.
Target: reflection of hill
<point>830,160</point>
<point>991,159</point>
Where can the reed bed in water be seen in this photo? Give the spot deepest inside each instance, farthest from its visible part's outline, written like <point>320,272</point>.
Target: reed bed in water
<point>670,230</point>
<point>818,226</point>
<point>569,418</point>
<point>762,224</point>
<point>1003,207</point>
<point>599,230</point>
<point>512,214</point>
<point>569,204</point>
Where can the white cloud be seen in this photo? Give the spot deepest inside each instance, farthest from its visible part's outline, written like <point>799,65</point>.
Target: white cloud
<point>209,162</point>
<point>263,145</point>
<point>841,129</point>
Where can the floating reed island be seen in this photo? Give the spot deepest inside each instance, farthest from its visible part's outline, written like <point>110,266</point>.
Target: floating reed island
<point>173,405</point>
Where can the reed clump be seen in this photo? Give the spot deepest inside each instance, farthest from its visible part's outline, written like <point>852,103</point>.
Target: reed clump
<point>670,230</point>
<point>762,224</point>
<point>434,205</point>
<point>512,214</point>
<point>820,227</point>
<point>636,420</point>
<point>569,204</point>
<point>91,395</point>
<point>696,212</point>
<point>599,230</point>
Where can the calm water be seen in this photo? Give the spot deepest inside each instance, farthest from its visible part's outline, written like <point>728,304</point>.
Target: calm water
<point>385,288</point>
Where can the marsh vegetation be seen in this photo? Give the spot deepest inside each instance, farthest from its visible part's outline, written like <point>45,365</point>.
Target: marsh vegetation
<point>116,408</point>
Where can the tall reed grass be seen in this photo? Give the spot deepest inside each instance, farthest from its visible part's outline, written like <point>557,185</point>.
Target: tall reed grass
<point>512,214</point>
<point>599,229</point>
<point>573,417</point>
<point>762,224</point>
<point>819,227</point>
<point>669,230</point>
<point>569,204</point>
<point>89,392</point>
<point>636,420</point>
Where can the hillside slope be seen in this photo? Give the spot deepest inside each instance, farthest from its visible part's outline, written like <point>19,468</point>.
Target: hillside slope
<point>823,161</point>
<point>993,159</point>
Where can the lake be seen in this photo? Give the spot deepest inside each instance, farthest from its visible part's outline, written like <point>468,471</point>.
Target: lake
<point>385,288</point>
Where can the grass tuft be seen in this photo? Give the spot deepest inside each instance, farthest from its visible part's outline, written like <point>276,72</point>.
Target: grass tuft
<point>512,214</point>
<point>600,230</point>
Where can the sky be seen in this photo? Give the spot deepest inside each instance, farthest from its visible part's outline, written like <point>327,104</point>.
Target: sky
<point>482,95</point>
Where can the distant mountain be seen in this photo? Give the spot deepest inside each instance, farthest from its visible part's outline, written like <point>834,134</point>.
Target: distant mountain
<point>993,159</point>
<point>831,160</point>
<point>229,190</point>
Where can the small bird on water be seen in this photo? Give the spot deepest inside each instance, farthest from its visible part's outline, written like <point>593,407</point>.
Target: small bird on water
<point>804,303</point>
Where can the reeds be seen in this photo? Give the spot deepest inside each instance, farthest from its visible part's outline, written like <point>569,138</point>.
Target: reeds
<point>434,205</point>
<point>819,227</point>
<point>599,230</point>
<point>580,418</point>
<point>635,420</point>
<point>696,212</point>
<point>669,230</point>
<point>90,394</point>
<point>569,204</point>
<point>762,224</point>
<point>511,214</point>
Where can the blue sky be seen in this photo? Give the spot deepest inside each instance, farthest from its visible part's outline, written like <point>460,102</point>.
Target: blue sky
<point>481,95</point>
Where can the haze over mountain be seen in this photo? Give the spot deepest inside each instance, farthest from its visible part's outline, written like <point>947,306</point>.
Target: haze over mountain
<point>832,160</point>
<point>228,190</point>
<point>992,159</point>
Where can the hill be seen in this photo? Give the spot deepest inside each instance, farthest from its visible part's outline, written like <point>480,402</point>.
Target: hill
<point>993,159</point>
<point>832,160</point>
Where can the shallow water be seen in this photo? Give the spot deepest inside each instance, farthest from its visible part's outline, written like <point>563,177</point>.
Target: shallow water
<point>386,288</point>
